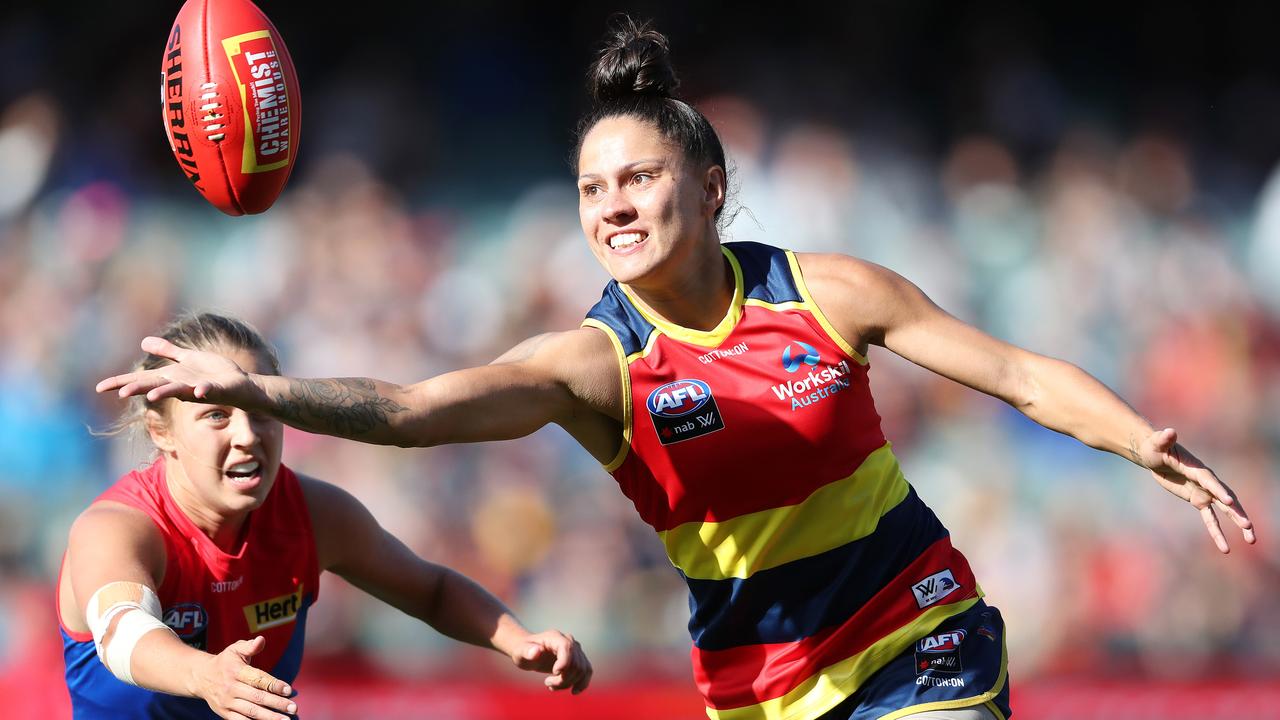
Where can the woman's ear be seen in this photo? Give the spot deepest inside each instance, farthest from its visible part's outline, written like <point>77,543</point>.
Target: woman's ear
<point>158,429</point>
<point>714,188</point>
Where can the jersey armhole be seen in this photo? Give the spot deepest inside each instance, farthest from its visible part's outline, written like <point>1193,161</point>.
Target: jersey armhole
<point>818,315</point>
<point>57,607</point>
<point>309,527</point>
<point>621,356</point>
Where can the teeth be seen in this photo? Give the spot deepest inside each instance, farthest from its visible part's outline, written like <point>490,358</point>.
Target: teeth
<point>625,239</point>
<point>244,468</point>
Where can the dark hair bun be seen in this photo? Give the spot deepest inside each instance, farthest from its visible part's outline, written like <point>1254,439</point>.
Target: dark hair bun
<point>636,60</point>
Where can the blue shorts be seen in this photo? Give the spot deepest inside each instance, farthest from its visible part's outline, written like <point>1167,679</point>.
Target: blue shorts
<point>961,663</point>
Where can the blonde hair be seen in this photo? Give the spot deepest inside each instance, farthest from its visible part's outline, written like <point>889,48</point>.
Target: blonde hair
<point>194,331</point>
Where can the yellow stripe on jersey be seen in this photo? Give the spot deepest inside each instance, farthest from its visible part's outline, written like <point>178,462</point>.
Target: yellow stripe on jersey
<point>835,336</point>
<point>833,515</point>
<point>649,342</point>
<point>616,462</point>
<point>706,338</point>
<point>833,684</point>
<point>776,307</point>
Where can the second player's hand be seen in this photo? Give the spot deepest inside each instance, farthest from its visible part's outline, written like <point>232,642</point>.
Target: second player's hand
<point>1182,474</point>
<point>236,690</point>
<point>558,655</point>
<point>195,375</point>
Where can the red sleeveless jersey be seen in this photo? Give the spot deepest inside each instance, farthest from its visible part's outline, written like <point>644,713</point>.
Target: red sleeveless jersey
<point>755,452</point>
<point>209,597</point>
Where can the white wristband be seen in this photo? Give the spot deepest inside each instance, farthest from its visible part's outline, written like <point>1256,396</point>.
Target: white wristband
<point>137,618</point>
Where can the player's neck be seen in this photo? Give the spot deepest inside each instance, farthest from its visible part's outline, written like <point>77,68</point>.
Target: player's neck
<point>698,298</point>
<point>226,531</point>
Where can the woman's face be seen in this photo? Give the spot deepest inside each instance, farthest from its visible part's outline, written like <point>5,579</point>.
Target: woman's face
<point>224,459</point>
<point>641,204</point>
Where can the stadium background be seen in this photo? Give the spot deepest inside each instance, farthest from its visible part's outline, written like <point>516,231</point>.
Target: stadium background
<point>1097,186</point>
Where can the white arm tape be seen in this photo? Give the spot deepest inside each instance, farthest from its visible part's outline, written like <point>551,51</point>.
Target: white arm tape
<point>136,619</point>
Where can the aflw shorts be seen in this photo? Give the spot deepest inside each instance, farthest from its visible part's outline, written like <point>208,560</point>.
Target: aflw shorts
<point>960,664</point>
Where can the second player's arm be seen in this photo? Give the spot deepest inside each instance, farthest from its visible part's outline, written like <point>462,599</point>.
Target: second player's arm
<point>351,543</point>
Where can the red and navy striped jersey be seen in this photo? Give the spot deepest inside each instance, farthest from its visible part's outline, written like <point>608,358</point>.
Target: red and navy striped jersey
<point>209,597</point>
<point>755,452</point>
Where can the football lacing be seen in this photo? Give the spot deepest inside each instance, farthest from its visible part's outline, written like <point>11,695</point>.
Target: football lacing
<point>210,108</point>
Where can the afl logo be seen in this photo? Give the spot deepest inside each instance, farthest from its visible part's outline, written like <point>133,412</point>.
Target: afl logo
<point>940,653</point>
<point>679,398</point>
<point>792,359</point>
<point>189,622</point>
<point>942,642</point>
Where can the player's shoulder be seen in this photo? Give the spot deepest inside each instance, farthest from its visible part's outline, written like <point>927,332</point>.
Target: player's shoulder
<point>837,271</point>
<point>324,496</point>
<point>859,297</point>
<point>112,529</point>
<point>341,524</point>
<point>331,507</point>
<point>110,516</point>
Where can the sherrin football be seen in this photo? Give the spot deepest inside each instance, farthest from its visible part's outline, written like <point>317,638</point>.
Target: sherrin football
<point>231,104</point>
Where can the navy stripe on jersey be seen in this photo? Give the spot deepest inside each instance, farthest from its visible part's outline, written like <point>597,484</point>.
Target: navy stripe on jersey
<point>796,600</point>
<point>616,311</point>
<point>291,661</point>
<point>766,274</point>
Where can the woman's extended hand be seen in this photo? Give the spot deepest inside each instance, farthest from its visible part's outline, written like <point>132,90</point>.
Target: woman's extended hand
<point>195,375</point>
<point>235,690</point>
<point>1182,474</point>
<point>557,654</point>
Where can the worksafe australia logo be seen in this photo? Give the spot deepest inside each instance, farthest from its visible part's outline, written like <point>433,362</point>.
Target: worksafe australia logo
<point>792,359</point>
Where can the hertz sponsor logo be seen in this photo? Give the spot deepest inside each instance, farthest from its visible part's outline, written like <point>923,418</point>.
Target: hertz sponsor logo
<point>274,611</point>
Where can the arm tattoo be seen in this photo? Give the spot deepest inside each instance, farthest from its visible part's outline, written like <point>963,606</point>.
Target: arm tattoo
<point>346,407</point>
<point>1134,455</point>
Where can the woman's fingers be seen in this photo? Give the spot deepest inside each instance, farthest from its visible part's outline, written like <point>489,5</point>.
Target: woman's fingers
<point>1238,515</point>
<point>257,679</point>
<point>163,348</point>
<point>1215,529</point>
<point>258,711</point>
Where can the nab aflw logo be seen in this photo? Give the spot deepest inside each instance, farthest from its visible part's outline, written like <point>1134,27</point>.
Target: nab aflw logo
<point>683,410</point>
<point>940,653</point>
<point>933,588</point>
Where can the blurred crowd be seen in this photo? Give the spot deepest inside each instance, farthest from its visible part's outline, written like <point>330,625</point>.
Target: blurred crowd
<point>1106,248</point>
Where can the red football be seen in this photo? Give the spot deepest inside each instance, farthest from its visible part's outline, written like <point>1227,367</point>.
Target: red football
<point>231,104</point>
